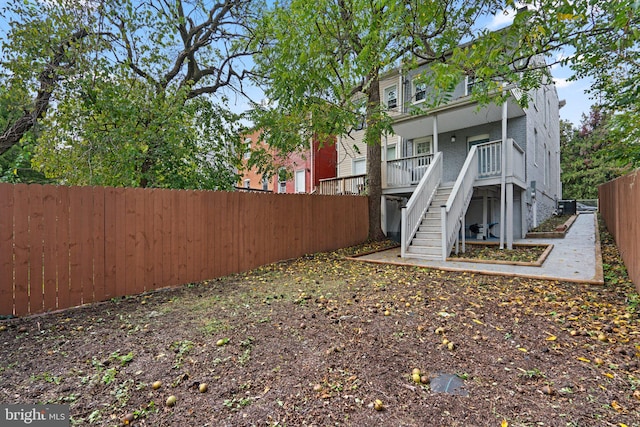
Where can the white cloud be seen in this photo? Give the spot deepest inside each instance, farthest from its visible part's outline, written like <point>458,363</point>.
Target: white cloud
<point>501,19</point>
<point>562,83</point>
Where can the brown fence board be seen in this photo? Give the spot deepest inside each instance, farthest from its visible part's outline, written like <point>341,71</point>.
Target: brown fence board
<point>120,243</point>
<point>140,214</point>
<point>62,247</point>
<point>36,249</point>
<point>97,230</point>
<point>6,249</point>
<point>109,242</point>
<point>50,226</point>
<point>21,249</point>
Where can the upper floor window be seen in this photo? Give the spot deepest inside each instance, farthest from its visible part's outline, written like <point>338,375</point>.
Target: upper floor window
<point>247,183</point>
<point>265,183</point>
<point>469,84</point>
<point>419,91</point>
<point>391,97</point>
<point>247,152</point>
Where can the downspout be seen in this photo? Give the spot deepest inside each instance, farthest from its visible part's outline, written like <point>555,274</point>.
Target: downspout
<point>312,186</point>
<point>503,173</point>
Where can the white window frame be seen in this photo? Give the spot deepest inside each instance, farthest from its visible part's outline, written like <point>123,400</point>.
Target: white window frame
<point>297,181</point>
<point>414,89</point>
<point>389,148</point>
<point>357,161</point>
<point>423,140</point>
<point>478,139</point>
<point>247,153</point>
<point>247,183</point>
<point>265,183</point>
<point>388,90</point>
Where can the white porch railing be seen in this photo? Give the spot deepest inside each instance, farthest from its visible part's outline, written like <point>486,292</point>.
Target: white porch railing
<point>408,170</point>
<point>454,211</point>
<point>349,185</point>
<point>419,202</point>
<point>490,160</point>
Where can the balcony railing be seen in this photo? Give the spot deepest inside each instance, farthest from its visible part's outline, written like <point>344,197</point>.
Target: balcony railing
<point>348,185</point>
<point>490,159</point>
<point>408,170</point>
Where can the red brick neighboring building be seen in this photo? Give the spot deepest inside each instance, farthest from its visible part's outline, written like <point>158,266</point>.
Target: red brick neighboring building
<point>301,171</point>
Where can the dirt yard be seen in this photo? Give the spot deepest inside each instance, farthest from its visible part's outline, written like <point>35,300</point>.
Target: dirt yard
<point>317,340</point>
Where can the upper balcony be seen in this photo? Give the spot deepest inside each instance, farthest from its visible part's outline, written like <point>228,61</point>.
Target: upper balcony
<point>403,175</point>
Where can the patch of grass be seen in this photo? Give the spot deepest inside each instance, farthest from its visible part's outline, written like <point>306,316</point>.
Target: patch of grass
<point>47,377</point>
<point>236,404</point>
<point>181,348</point>
<point>214,326</point>
<point>534,373</point>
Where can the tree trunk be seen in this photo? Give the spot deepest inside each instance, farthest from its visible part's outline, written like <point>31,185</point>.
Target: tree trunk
<point>374,161</point>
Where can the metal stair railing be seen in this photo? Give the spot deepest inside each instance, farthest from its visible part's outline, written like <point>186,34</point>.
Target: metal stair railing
<point>454,210</point>
<point>419,202</point>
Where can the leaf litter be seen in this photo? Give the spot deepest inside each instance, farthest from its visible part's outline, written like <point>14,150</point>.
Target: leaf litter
<point>322,340</point>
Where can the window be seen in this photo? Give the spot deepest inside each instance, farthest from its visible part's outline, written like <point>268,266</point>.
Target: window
<point>419,91</point>
<point>547,167</point>
<point>300,175</point>
<point>469,83</point>
<point>282,181</point>
<point>423,146</point>
<point>391,97</point>
<point>359,166</point>
<point>247,183</point>
<point>265,183</point>
<point>391,152</point>
<point>247,152</point>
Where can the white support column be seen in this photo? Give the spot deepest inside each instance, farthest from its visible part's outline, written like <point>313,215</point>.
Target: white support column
<point>509,224</point>
<point>523,211</point>
<point>485,213</point>
<point>503,174</point>
<point>435,134</point>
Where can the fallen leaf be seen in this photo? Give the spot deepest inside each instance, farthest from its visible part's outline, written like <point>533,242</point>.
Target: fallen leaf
<point>552,338</point>
<point>615,405</point>
<point>522,349</point>
<point>504,423</point>
<point>477,321</point>
<point>584,359</point>
<point>607,374</point>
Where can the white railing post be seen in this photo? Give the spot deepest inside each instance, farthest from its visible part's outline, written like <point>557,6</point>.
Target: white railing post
<point>443,228</point>
<point>403,233</point>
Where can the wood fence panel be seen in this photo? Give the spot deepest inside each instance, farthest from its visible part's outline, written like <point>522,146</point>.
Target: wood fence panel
<point>155,260</point>
<point>619,204</point>
<point>139,239</point>
<point>110,228</point>
<point>130,246</point>
<point>121,239</point>
<point>6,249</point>
<point>50,261</point>
<point>87,247</point>
<point>36,249</point>
<point>166,238</point>
<point>62,247</point>
<point>21,250</point>
<point>97,238</point>
<point>76,217</point>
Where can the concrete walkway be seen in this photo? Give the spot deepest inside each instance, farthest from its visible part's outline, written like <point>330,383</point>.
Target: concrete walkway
<point>574,258</point>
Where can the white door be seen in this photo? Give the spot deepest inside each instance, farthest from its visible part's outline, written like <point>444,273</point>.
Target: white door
<point>421,148</point>
<point>300,184</point>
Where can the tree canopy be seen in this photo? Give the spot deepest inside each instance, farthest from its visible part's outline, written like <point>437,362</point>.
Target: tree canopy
<point>127,92</point>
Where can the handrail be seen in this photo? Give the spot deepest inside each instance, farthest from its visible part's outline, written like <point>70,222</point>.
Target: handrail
<point>455,208</point>
<point>407,171</point>
<point>419,202</point>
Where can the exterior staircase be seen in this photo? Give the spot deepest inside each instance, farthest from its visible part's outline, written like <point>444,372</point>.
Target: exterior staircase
<point>427,243</point>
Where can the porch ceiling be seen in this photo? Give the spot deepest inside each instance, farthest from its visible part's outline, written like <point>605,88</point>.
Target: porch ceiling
<point>452,117</point>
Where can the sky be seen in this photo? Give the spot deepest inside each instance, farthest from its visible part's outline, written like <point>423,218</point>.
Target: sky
<point>578,102</point>
<point>573,92</point>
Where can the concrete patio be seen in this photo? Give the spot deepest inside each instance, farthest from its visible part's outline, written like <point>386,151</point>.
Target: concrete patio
<point>574,258</point>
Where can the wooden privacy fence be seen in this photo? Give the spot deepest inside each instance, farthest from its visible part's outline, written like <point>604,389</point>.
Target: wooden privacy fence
<point>619,204</point>
<point>65,246</point>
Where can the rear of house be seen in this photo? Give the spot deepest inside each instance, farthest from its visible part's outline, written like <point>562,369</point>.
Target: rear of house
<point>452,156</point>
